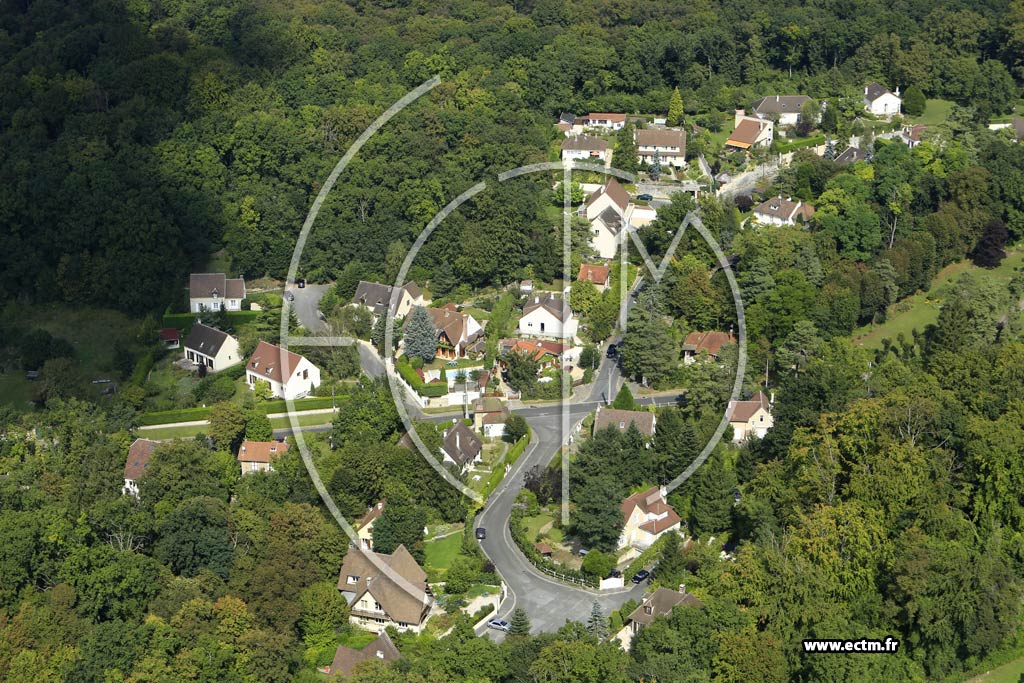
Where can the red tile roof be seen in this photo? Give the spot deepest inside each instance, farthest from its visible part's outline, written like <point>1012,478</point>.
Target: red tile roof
<point>596,274</point>
<point>711,342</point>
<point>169,334</point>
<point>261,451</point>
<point>139,454</point>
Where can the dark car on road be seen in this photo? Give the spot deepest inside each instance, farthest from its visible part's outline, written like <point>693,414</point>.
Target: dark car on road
<point>481,533</point>
<point>301,282</point>
<point>645,197</point>
<point>641,576</point>
<point>612,351</point>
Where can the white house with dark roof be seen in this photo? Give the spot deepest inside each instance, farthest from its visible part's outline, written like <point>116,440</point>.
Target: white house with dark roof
<point>548,316</point>
<point>752,418</point>
<point>782,211</point>
<point>585,148</point>
<point>376,297</point>
<point>214,292</point>
<point>211,348</point>
<point>460,446</point>
<point>880,102</point>
<point>786,107</point>
<point>669,143</point>
<point>135,466</point>
<point>289,374</point>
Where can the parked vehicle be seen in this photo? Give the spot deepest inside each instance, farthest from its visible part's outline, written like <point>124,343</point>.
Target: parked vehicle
<point>641,576</point>
<point>645,197</point>
<point>499,625</point>
<point>302,282</point>
<point>612,351</point>
<point>289,296</point>
<point>615,574</point>
<point>481,533</point>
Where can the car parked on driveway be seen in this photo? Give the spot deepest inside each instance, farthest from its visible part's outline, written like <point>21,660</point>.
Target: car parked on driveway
<point>641,576</point>
<point>499,625</point>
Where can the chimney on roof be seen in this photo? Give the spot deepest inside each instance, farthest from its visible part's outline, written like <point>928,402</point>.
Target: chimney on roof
<point>740,113</point>
<point>771,400</point>
<point>897,91</point>
<point>380,654</point>
<point>682,588</point>
<point>662,491</point>
<point>776,98</point>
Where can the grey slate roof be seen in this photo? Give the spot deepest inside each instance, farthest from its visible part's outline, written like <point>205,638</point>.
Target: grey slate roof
<point>205,340</point>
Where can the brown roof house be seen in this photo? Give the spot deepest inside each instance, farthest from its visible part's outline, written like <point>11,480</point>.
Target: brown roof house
<point>621,419</point>
<point>779,211</point>
<point>214,292</point>
<point>456,332</point>
<point>461,447</point>
<point>750,132</point>
<point>364,526</point>
<point>710,343</point>
<point>259,456</point>
<point>546,315</point>
<point>646,516</point>
<point>785,107</point>
<point>209,347</point>
<point>346,659</point>
<point>489,416</point>
<point>376,298</point>
<point>599,276</point>
<point>669,143</point>
<point>585,148</point>
<point>751,418</point>
<point>139,454</point>
<point>385,590</point>
<point>289,374</point>
<point>660,603</point>
<point>611,194</point>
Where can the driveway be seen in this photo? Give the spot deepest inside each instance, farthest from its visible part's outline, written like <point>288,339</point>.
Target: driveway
<point>745,182</point>
<point>307,306</point>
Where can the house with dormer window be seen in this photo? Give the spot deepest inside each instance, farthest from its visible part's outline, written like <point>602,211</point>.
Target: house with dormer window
<point>289,374</point>
<point>214,292</point>
<point>385,590</point>
<point>646,516</point>
<point>211,348</point>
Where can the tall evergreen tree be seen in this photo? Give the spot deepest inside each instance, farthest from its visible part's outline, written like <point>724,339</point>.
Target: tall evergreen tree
<point>675,107</point>
<point>520,624</point>
<point>675,445</point>
<point>597,624</point>
<point>420,335</point>
<point>671,564</point>
<point>625,155</point>
<point>914,102</point>
<point>624,399</point>
<point>711,509</point>
<point>654,170</point>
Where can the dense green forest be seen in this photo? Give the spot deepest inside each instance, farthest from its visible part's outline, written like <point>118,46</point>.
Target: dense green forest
<point>138,137</point>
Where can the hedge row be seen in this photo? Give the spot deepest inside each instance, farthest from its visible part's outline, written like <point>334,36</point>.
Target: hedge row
<point>431,390</point>
<point>510,459</point>
<point>645,558</point>
<point>184,321</point>
<point>814,140</point>
<point>518,531</point>
<point>194,414</point>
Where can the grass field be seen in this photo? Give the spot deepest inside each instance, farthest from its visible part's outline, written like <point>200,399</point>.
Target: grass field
<point>534,524</point>
<point>935,112</point>
<point>440,554</point>
<point>15,389</point>
<point>920,310</point>
<point>1007,673</point>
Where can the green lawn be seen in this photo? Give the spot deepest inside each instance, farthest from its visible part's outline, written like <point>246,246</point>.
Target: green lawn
<point>935,112</point>
<point>920,310</point>
<point>356,638</point>
<point>440,554</point>
<point>1007,673</point>
<point>534,524</point>
<point>172,432</point>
